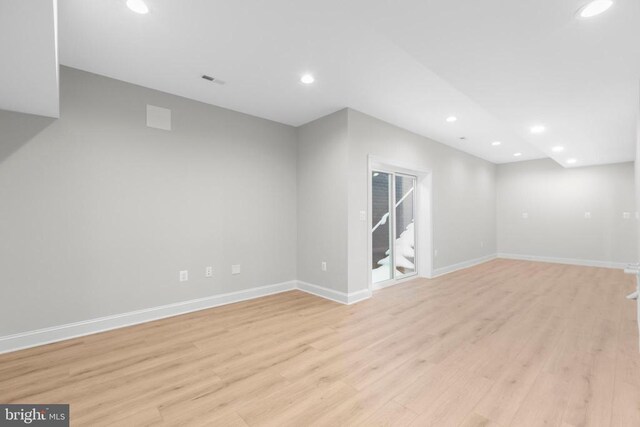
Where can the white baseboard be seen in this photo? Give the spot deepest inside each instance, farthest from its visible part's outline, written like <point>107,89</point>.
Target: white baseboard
<point>389,283</point>
<point>38,337</point>
<point>333,295</point>
<point>570,261</point>
<point>53,334</point>
<point>461,265</point>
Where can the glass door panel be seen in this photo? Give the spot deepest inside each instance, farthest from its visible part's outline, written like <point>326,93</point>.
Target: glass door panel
<point>381,234</point>
<point>393,204</point>
<point>404,220</point>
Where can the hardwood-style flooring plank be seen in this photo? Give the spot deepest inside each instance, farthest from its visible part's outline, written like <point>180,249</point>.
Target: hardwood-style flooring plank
<point>505,343</point>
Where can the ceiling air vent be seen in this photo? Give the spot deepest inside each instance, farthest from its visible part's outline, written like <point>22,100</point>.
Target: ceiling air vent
<point>213,79</point>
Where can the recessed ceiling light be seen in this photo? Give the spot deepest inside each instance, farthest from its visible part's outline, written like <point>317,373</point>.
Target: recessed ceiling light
<point>451,119</point>
<point>596,7</point>
<point>517,154</point>
<point>138,6</point>
<point>571,161</point>
<point>557,149</point>
<point>307,79</point>
<point>538,129</point>
<point>496,143</point>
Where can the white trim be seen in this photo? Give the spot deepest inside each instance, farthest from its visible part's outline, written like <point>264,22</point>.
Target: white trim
<point>78,329</point>
<point>461,265</point>
<point>570,261</point>
<point>333,295</point>
<point>393,282</point>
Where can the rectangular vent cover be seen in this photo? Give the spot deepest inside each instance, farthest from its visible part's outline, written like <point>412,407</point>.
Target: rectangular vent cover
<point>212,79</point>
<point>158,117</point>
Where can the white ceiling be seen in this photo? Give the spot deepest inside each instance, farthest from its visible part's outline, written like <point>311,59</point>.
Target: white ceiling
<point>499,66</point>
<point>28,48</point>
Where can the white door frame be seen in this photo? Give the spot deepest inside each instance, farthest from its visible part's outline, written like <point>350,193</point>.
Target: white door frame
<point>423,218</point>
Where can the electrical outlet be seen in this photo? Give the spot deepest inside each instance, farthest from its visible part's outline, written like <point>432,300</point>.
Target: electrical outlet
<point>208,272</point>
<point>184,275</point>
<point>323,266</point>
<point>363,215</point>
<point>587,215</point>
<point>235,269</point>
<point>435,252</point>
<point>626,215</point>
<point>525,215</point>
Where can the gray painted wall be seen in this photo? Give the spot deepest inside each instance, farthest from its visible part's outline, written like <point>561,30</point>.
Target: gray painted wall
<point>332,190</point>
<point>556,200</point>
<point>637,185</point>
<point>637,182</point>
<point>464,195</point>
<point>98,213</point>
<point>322,201</point>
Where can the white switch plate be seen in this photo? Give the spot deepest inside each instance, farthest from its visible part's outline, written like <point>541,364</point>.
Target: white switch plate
<point>184,275</point>
<point>435,252</point>
<point>323,266</point>
<point>587,215</point>
<point>363,215</point>
<point>235,269</point>
<point>208,272</point>
<point>525,215</point>
<point>626,215</point>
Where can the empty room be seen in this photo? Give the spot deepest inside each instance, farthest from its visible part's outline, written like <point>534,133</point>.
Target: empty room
<point>335,213</point>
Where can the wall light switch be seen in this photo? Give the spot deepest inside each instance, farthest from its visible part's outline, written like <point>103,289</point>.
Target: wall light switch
<point>525,215</point>
<point>626,215</point>
<point>435,252</point>
<point>323,266</point>
<point>184,275</point>
<point>587,215</point>
<point>363,215</point>
<point>208,272</point>
<point>235,269</point>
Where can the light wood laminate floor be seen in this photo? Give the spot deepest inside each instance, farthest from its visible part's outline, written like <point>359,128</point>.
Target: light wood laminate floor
<point>504,343</point>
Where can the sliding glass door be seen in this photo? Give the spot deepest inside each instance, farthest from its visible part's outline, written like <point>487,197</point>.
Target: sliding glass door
<point>393,226</point>
<point>381,237</point>
<point>405,248</point>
